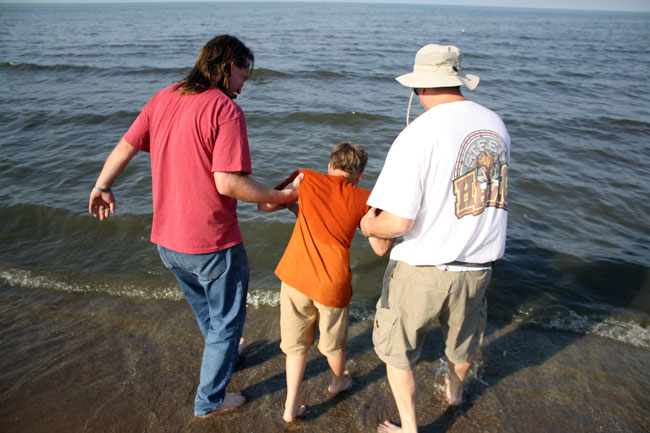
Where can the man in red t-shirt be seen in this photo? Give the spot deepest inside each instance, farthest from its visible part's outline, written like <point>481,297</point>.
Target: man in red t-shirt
<point>200,162</point>
<point>315,268</point>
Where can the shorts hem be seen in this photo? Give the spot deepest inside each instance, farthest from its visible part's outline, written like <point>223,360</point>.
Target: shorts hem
<point>393,363</point>
<point>295,352</point>
<point>337,353</point>
<point>456,360</point>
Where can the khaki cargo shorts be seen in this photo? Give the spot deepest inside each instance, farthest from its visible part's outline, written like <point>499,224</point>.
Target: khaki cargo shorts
<point>298,315</point>
<point>414,298</point>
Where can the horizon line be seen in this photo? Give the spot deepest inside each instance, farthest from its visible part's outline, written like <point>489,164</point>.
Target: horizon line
<point>393,2</point>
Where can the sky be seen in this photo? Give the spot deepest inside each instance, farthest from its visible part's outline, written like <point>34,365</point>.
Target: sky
<point>611,5</point>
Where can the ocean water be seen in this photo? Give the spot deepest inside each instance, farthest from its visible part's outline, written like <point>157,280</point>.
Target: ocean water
<point>571,87</point>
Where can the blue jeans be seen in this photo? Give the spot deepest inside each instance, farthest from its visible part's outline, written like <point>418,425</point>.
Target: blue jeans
<point>215,285</point>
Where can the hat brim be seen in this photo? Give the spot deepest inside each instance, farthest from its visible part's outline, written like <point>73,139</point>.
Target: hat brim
<point>427,81</point>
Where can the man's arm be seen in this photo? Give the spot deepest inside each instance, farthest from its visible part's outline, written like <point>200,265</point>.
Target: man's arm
<point>292,181</point>
<point>270,207</point>
<point>102,203</point>
<point>380,246</point>
<point>242,187</point>
<point>384,225</point>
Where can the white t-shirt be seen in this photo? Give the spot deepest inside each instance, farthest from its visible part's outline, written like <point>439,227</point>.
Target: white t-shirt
<point>448,171</point>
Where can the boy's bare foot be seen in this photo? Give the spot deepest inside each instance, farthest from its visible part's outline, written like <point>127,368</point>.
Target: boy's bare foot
<point>231,401</point>
<point>454,392</point>
<point>388,427</point>
<point>240,348</point>
<point>340,384</point>
<point>292,415</point>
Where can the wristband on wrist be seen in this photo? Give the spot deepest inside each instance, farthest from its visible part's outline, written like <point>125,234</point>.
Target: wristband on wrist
<point>99,188</point>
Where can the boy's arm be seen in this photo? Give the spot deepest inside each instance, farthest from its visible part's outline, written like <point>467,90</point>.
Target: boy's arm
<point>380,246</point>
<point>293,207</point>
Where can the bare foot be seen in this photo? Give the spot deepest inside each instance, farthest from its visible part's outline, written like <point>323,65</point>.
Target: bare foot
<point>340,385</point>
<point>388,427</point>
<point>292,415</point>
<point>231,401</point>
<point>240,348</point>
<point>454,392</point>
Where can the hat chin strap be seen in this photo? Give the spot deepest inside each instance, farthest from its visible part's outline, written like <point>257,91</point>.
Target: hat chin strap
<point>408,111</point>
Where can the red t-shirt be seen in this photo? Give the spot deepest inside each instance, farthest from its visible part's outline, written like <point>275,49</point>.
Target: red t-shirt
<point>317,260</point>
<point>189,137</point>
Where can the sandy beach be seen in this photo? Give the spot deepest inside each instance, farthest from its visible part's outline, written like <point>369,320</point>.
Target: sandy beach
<point>70,366</point>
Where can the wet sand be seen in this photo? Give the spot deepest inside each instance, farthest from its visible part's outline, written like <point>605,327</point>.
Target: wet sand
<point>97,363</point>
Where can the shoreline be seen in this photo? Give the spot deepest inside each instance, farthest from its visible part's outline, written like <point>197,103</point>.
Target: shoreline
<point>90,362</point>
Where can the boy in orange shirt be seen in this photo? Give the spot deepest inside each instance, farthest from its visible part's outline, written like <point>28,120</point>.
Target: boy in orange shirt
<point>315,268</point>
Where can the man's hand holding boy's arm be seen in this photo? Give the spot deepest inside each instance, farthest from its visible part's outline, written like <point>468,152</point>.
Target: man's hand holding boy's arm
<point>379,245</point>
<point>384,224</point>
<point>292,182</point>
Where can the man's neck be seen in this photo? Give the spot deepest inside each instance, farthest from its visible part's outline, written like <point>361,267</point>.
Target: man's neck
<point>430,98</point>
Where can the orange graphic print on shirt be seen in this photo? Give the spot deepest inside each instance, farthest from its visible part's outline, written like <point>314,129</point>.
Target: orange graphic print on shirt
<point>481,174</point>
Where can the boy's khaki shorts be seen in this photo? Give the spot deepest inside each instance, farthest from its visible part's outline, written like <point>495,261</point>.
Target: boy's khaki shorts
<point>298,315</point>
<point>415,297</point>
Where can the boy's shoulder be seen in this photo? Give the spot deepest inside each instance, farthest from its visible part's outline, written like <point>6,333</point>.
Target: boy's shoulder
<point>337,184</point>
<point>314,175</point>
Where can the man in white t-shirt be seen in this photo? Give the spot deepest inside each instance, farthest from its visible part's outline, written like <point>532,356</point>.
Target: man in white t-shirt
<point>443,188</point>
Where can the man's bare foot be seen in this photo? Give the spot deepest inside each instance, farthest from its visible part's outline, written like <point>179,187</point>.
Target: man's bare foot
<point>388,427</point>
<point>240,348</point>
<point>231,401</point>
<point>292,415</point>
<point>340,384</point>
<point>454,392</point>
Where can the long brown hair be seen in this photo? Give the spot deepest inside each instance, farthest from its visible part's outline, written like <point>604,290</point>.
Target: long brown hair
<point>212,67</point>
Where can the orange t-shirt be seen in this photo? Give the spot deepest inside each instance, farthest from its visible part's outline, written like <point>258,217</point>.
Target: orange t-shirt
<point>317,260</point>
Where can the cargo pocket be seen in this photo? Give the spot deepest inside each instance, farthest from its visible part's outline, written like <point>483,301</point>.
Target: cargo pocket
<point>384,330</point>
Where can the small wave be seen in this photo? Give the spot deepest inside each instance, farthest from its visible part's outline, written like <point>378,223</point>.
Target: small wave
<point>93,119</point>
<point>624,328</point>
<point>38,119</point>
<point>257,297</point>
<point>629,124</point>
<point>30,280</point>
<point>271,298</point>
<point>351,118</point>
<point>154,71</point>
<point>555,83</point>
<point>322,74</point>
<point>28,67</point>
<point>362,311</point>
<point>608,128</point>
<point>262,73</point>
<point>36,67</point>
<point>348,118</point>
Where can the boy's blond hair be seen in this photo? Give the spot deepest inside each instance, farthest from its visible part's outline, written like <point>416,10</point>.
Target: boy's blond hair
<point>349,157</point>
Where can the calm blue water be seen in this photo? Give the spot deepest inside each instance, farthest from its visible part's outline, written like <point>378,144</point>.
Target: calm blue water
<point>571,86</point>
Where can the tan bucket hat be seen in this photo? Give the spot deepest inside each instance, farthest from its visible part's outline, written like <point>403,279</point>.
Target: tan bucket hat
<point>438,66</point>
